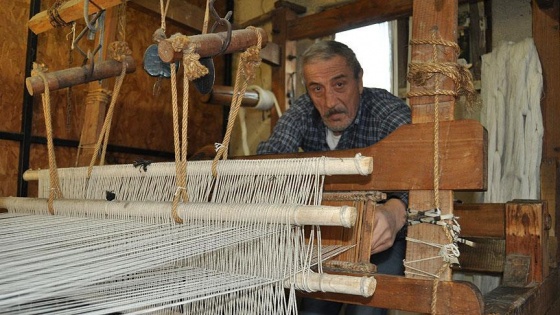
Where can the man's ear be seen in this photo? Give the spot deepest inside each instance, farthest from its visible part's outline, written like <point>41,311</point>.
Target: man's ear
<point>361,81</point>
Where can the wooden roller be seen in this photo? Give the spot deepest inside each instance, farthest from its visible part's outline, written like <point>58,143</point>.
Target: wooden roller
<point>208,45</point>
<point>79,75</point>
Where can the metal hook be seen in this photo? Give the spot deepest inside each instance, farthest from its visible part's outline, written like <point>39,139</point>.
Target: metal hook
<point>89,23</point>
<point>222,22</point>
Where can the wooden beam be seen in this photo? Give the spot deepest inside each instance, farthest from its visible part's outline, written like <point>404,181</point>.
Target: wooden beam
<point>348,16</point>
<point>69,11</point>
<point>207,45</point>
<point>78,75</point>
<point>414,295</point>
<point>527,234</point>
<point>403,160</point>
<point>537,299</point>
<point>432,19</point>
<point>282,74</point>
<point>180,12</point>
<point>482,219</point>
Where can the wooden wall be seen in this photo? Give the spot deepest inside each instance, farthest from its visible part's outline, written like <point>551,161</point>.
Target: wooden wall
<point>141,120</point>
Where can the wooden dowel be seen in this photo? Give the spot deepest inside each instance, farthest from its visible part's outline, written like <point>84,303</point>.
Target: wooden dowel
<point>323,282</point>
<point>344,216</point>
<point>208,45</point>
<point>330,166</point>
<point>69,11</point>
<point>79,75</point>
<point>222,95</point>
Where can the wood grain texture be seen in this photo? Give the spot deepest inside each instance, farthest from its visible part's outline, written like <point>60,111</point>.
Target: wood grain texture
<point>433,20</point>
<point>403,160</point>
<point>526,235</point>
<point>69,11</point>
<point>414,295</point>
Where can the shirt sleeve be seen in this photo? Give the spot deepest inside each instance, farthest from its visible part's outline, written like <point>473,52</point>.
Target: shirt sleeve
<point>286,136</point>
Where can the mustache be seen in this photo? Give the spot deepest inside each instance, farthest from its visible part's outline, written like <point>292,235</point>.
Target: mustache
<point>334,110</point>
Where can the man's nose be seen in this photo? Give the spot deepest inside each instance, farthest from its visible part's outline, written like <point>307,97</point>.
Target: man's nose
<point>331,99</point>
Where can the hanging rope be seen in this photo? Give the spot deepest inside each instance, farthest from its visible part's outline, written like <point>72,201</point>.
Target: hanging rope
<point>248,62</point>
<point>54,16</point>
<point>118,51</point>
<point>192,69</point>
<point>55,191</point>
<point>419,74</point>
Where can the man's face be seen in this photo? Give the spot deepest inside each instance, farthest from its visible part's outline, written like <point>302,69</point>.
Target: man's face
<point>334,90</point>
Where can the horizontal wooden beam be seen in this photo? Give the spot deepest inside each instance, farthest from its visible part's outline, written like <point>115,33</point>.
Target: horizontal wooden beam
<point>208,45</point>
<point>415,295</point>
<point>349,16</point>
<point>68,11</point>
<point>79,75</point>
<point>536,299</point>
<point>182,13</point>
<point>404,159</point>
<point>481,219</point>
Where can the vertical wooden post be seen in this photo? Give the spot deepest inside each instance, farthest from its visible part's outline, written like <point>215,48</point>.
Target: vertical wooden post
<point>431,18</point>
<point>527,225</point>
<point>281,74</point>
<point>94,113</point>
<point>547,41</point>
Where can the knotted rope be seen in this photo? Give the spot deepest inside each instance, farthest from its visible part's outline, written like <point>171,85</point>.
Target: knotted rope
<point>54,16</point>
<point>54,182</point>
<point>248,62</point>
<point>192,69</point>
<point>118,51</point>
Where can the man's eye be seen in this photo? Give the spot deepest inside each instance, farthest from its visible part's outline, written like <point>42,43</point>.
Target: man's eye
<point>339,84</point>
<point>317,89</point>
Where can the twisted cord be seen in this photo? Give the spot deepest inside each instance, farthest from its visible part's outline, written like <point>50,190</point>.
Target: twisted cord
<point>248,62</point>
<point>119,51</point>
<point>55,190</point>
<point>54,15</point>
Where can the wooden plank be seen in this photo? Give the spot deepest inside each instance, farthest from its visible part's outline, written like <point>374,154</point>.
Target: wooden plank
<point>547,41</point>
<point>288,64</point>
<point>537,299</point>
<point>69,11</point>
<point>481,219</point>
<point>342,18</point>
<point>94,112</point>
<point>414,295</point>
<point>184,14</point>
<point>409,150</point>
<point>432,20</point>
<point>488,255</point>
<point>526,234</point>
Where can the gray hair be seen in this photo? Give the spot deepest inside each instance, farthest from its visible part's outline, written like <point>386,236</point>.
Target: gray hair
<point>327,49</point>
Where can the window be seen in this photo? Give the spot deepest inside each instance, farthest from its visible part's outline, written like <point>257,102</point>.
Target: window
<point>373,47</point>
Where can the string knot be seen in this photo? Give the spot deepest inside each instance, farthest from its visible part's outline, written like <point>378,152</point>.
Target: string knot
<point>179,42</point>
<point>159,35</point>
<point>193,68</point>
<point>118,50</point>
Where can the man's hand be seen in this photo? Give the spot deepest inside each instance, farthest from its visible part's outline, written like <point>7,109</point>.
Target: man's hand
<point>388,219</point>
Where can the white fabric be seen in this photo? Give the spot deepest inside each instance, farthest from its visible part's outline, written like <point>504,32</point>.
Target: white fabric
<point>332,139</point>
<point>511,92</point>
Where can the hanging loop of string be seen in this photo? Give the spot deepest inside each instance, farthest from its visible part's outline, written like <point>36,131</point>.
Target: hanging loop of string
<point>54,182</point>
<point>118,51</point>
<point>248,62</point>
<point>192,69</point>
